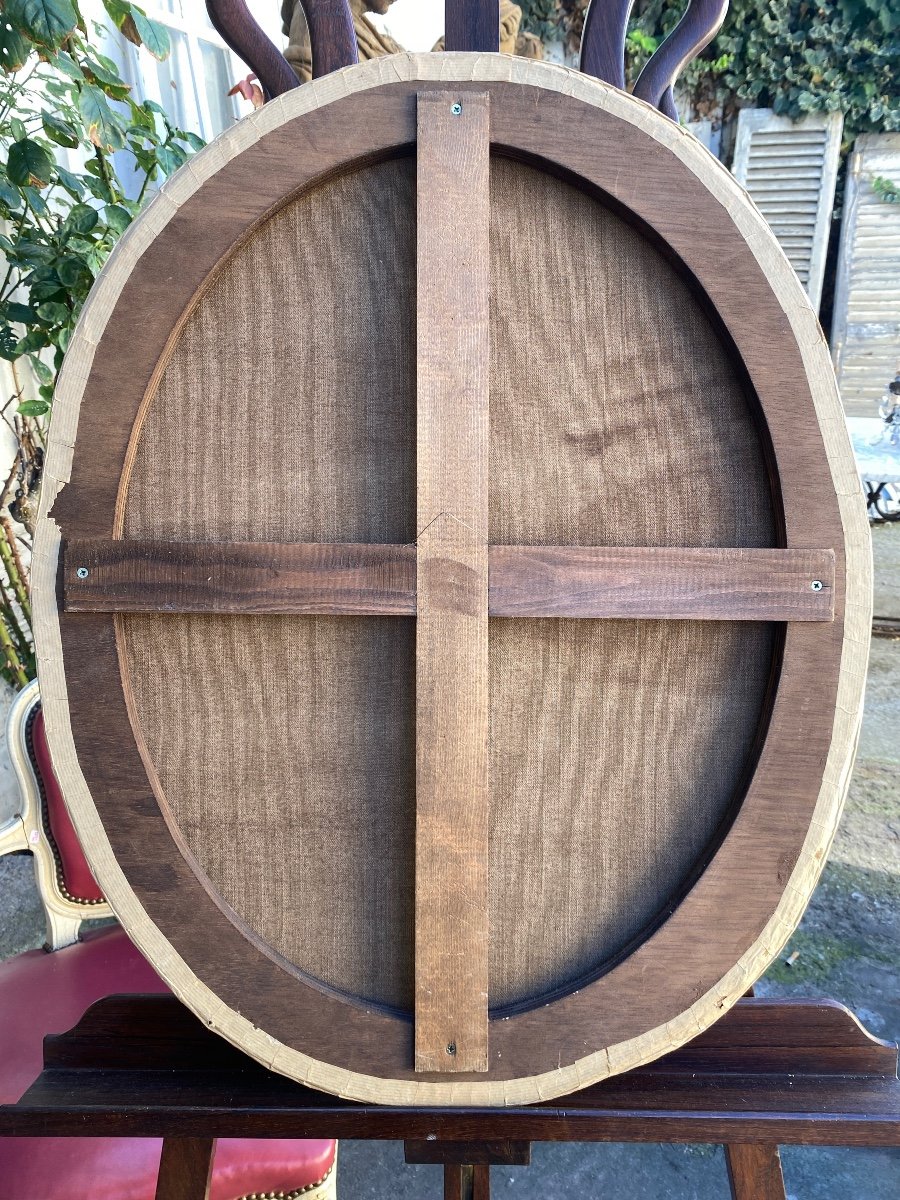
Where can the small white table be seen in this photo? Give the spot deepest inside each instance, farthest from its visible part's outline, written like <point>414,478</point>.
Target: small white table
<point>878,462</point>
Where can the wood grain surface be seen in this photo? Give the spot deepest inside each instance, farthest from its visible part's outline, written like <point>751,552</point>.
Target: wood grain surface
<point>240,577</point>
<point>799,1072</point>
<point>754,1171</point>
<point>453,361</point>
<point>704,955</point>
<point>472,25</point>
<point>185,1168</point>
<point>239,29</point>
<point>356,579</point>
<point>662,583</point>
<point>603,40</point>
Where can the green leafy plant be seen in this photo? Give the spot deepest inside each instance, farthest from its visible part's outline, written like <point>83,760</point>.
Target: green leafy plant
<point>798,57</point>
<point>794,56</point>
<point>886,189</point>
<point>60,101</point>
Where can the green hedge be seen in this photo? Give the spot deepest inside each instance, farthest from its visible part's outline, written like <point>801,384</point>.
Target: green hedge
<point>790,55</point>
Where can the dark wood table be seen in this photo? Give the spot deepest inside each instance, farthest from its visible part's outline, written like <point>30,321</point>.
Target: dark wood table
<point>770,1072</point>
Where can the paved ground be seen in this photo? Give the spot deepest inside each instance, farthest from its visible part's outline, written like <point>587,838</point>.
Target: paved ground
<point>848,948</point>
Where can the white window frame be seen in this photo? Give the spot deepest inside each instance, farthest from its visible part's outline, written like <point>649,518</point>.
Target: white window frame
<point>196,29</point>
<point>191,21</point>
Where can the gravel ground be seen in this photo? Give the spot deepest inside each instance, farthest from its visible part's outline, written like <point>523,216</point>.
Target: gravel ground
<point>847,948</point>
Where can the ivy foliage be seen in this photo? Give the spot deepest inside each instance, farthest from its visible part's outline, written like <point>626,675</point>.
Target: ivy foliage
<point>794,56</point>
<point>60,101</point>
<point>57,92</point>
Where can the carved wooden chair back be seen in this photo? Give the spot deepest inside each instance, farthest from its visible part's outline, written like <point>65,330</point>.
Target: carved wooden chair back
<point>475,25</point>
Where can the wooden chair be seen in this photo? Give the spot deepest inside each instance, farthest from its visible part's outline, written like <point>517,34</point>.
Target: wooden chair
<point>45,992</point>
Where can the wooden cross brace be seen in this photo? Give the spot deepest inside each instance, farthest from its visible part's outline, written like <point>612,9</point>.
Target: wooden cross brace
<point>451,580</point>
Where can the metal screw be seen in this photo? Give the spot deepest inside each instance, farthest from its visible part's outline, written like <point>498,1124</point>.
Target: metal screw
<point>456,109</point>
<point>82,572</point>
<point>451,1049</point>
<point>817,585</point>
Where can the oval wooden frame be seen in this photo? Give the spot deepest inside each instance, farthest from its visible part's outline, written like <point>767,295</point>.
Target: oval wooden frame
<point>705,955</point>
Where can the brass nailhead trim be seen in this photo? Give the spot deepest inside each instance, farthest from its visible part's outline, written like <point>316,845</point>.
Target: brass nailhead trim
<point>310,1187</point>
<point>45,818</point>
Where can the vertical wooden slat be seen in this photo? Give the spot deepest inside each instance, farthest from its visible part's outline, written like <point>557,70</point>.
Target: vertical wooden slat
<point>452,583</point>
<point>185,1169</point>
<point>472,25</point>
<point>754,1171</point>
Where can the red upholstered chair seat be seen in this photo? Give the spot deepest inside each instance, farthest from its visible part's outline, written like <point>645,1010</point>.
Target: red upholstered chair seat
<point>48,993</point>
<point>43,993</point>
<point>126,1168</point>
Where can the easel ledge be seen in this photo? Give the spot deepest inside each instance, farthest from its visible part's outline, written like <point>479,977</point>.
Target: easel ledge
<point>771,1071</point>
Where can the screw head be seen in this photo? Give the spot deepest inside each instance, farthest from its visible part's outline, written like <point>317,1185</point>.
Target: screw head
<point>456,109</point>
<point>817,585</point>
<point>451,1049</point>
<point>82,572</point>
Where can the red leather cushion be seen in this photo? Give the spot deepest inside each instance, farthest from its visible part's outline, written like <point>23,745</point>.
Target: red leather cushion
<point>48,993</point>
<point>126,1168</point>
<point>79,881</point>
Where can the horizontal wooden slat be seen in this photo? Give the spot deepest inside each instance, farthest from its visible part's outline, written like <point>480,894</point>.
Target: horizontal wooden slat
<point>321,578</point>
<point>380,580</point>
<point>697,584</point>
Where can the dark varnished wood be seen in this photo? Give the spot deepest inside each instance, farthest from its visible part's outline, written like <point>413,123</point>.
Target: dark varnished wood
<point>332,37</point>
<point>701,22</point>
<point>603,40</point>
<point>697,944</point>
<point>240,577</point>
<point>185,1168</point>
<point>754,1171</point>
<point>466,1181</point>
<point>472,25</point>
<point>505,1153</point>
<point>799,1072</point>
<point>379,580</point>
<point>237,27</point>
<point>662,583</point>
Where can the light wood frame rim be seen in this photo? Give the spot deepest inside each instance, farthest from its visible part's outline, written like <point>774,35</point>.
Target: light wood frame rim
<point>841,692</point>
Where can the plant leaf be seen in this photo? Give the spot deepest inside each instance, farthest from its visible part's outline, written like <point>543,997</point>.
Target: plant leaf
<point>58,130</point>
<point>23,313</point>
<point>7,344</point>
<point>67,65</point>
<point>69,181</point>
<point>153,35</point>
<point>103,127</point>
<point>14,48</point>
<point>117,218</point>
<point>34,408</point>
<point>118,10</point>
<point>43,372</point>
<point>47,22</point>
<point>29,163</point>
<point>36,200</point>
<point>36,339</point>
<point>82,219</point>
<point>53,313</point>
<point>72,271</point>
<point>9,196</point>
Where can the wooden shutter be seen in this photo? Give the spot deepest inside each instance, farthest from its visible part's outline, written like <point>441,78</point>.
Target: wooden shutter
<point>789,168</point>
<point>866,330</point>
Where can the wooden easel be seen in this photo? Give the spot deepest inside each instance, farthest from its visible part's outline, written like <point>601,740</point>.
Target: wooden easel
<point>771,1071</point>
<point>767,1073</point>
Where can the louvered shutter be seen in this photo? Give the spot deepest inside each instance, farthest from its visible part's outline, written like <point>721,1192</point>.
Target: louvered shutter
<point>789,168</point>
<point>866,328</point>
